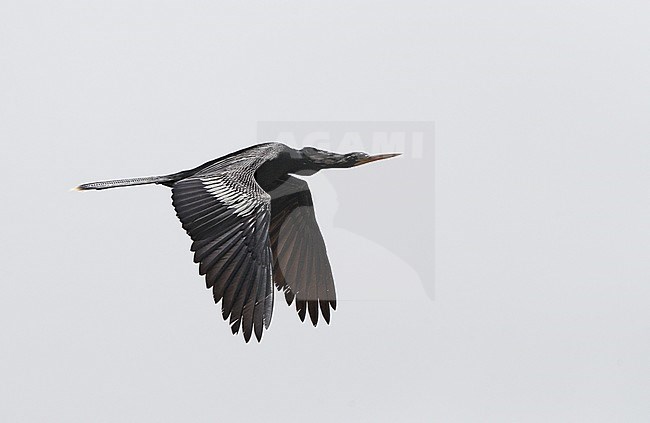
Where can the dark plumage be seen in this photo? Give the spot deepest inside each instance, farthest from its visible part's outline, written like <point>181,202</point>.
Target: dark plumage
<point>253,224</point>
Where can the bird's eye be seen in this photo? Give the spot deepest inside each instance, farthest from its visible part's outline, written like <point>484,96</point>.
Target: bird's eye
<point>309,151</point>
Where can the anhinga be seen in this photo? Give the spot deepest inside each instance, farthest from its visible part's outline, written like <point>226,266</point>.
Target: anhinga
<point>253,225</point>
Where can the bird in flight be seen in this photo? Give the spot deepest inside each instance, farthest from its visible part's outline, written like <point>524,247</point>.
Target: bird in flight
<point>253,225</point>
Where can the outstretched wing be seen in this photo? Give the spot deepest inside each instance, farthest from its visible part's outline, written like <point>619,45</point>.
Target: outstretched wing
<point>300,264</point>
<point>227,215</point>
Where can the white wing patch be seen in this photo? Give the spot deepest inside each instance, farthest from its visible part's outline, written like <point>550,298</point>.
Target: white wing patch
<point>234,198</point>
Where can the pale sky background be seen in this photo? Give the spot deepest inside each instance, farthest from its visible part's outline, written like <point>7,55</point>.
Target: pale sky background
<point>542,234</point>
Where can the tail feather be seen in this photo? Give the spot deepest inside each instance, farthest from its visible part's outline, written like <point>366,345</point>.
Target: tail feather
<point>127,182</point>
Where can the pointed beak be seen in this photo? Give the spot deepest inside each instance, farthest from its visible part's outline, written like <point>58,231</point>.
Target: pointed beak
<point>375,158</point>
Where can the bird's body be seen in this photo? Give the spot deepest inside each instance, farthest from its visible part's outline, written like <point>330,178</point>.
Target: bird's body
<point>253,226</point>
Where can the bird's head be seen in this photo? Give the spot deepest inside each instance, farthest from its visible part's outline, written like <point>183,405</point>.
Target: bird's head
<point>316,159</point>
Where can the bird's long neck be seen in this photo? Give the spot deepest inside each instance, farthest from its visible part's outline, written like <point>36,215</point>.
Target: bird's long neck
<point>296,162</point>
<point>288,162</point>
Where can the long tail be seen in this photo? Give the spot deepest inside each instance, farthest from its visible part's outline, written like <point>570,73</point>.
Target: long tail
<point>165,180</point>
